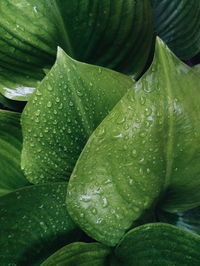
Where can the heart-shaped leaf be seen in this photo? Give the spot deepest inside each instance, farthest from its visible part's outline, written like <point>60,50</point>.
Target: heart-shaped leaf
<point>11,175</point>
<point>34,223</point>
<point>177,23</point>
<point>188,220</point>
<point>63,112</point>
<point>81,254</point>
<point>159,244</point>
<point>149,142</point>
<point>116,34</point>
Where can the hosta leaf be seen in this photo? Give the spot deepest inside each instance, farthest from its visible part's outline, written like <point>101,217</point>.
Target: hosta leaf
<point>17,86</point>
<point>11,175</point>
<point>79,253</point>
<point>188,220</point>
<point>149,142</point>
<point>10,104</point>
<point>159,244</point>
<point>177,22</point>
<point>57,121</point>
<point>34,223</point>
<point>95,32</point>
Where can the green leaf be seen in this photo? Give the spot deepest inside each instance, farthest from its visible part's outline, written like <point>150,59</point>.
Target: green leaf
<point>81,254</point>
<point>63,112</point>
<point>148,143</point>
<point>17,86</point>
<point>11,105</point>
<point>34,223</point>
<point>177,23</point>
<point>159,244</point>
<point>11,175</point>
<point>188,220</point>
<point>116,34</point>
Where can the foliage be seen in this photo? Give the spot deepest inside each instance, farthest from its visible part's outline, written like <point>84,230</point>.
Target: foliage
<point>99,132</point>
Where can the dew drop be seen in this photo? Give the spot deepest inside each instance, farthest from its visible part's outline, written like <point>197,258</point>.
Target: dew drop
<point>49,104</point>
<point>134,153</point>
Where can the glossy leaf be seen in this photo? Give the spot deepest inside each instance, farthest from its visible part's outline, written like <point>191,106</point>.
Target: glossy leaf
<point>149,142</point>
<point>34,223</point>
<point>177,22</point>
<point>11,175</point>
<point>57,121</point>
<point>188,220</point>
<point>79,253</point>
<point>159,244</point>
<point>116,34</point>
<point>6,103</point>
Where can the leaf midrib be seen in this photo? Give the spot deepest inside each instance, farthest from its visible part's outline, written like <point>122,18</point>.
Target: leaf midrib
<point>170,109</point>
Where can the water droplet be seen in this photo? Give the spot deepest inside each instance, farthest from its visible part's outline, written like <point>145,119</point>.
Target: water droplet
<point>142,100</point>
<point>79,93</point>
<point>57,99</point>
<point>121,120</point>
<point>37,113</point>
<point>105,203</point>
<point>94,211</point>
<point>38,92</point>
<point>49,104</point>
<point>100,132</point>
<point>134,153</point>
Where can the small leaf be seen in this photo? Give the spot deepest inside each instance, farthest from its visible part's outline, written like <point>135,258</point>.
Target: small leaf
<point>177,23</point>
<point>81,254</point>
<point>63,112</point>
<point>159,244</point>
<point>34,223</point>
<point>188,220</point>
<point>11,175</point>
<point>149,143</point>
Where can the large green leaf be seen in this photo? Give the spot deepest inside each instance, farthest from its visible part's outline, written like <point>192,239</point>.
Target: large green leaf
<point>63,112</point>
<point>116,34</point>
<point>11,175</point>
<point>79,253</point>
<point>34,223</point>
<point>159,244</point>
<point>149,142</point>
<point>188,220</point>
<point>177,22</point>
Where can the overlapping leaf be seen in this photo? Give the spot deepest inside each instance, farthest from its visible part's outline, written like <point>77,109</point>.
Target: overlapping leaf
<point>82,254</point>
<point>177,22</point>
<point>34,223</point>
<point>148,144</point>
<point>11,175</point>
<point>63,112</point>
<point>159,244</point>
<point>116,34</point>
<point>6,103</point>
<point>188,220</point>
